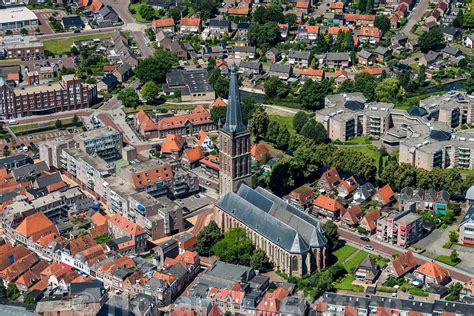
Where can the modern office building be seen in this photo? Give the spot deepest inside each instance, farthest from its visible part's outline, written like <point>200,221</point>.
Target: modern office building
<point>17,17</point>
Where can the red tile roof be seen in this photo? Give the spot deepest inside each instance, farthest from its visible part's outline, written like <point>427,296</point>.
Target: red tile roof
<point>15,253</point>
<point>370,31</point>
<point>403,263</point>
<point>312,72</point>
<point>351,17</point>
<point>303,4</point>
<point>434,271</point>
<point>190,21</point>
<point>334,30</point>
<point>211,161</point>
<point>337,5</point>
<point>311,29</point>
<point>109,68</point>
<point>56,186</point>
<point>260,151</point>
<point>36,224</point>
<point>386,193</point>
<point>201,137</point>
<point>340,73</point>
<point>373,71</point>
<point>153,175</point>
<point>132,228</point>
<point>272,300</point>
<point>327,203</point>
<point>172,143</point>
<point>370,219</point>
<point>332,177</point>
<point>98,219</point>
<point>166,22</point>
<point>144,121</point>
<point>13,76</point>
<point>193,154</point>
<point>80,244</point>
<point>217,102</point>
<point>238,11</point>
<point>198,116</point>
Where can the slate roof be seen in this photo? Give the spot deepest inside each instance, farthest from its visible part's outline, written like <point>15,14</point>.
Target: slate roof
<point>72,21</point>
<point>234,122</point>
<point>30,170</point>
<point>219,23</point>
<point>450,50</point>
<point>305,55</point>
<point>276,220</point>
<point>250,65</point>
<point>280,68</point>
<point>337,56</point>
<point>469,217</point>
<point>417,111</point>
<point>47,180</point>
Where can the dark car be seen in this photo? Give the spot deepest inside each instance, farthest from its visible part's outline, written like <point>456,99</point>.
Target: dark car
<point>366,239</point>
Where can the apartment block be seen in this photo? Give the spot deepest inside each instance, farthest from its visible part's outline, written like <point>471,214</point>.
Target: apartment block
<point>466,227</point>
<point>104,142</point>
<point>402,229</point>
<point>25,47</point>
<point>66,95</point>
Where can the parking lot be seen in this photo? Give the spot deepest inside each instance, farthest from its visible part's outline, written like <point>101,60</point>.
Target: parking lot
<point>43,16</point>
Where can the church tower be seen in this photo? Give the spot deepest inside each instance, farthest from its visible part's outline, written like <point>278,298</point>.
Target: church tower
<point>234,141</point>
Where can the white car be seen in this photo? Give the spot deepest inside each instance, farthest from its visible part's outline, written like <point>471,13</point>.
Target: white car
<point>369,247</point>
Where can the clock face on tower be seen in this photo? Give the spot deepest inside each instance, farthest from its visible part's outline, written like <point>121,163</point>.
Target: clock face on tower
<point>234,140</point>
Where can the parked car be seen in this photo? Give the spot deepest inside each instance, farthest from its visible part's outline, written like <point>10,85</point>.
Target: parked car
<point>369,247</point>
<point>366,239</point>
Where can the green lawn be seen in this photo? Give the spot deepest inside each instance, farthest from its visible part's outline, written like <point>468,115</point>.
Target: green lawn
<point>285,120</point>
<point>418,292</point>
<point>63,45</point>
<point>360,140</point>
<point>25,127</point>
<point>346,284</point>
<point>137,15</point>
<point>447,260</point>
<point>353,262</point>
<point>381,261</point>
<point>344,252</point>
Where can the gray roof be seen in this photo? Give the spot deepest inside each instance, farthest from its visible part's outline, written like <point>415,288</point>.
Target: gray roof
<point>337,56</point>
<point>364,54</point>
<point>450,50</point>
<point>46,180</point>
<point>223,274</point>
<point>469,217</point>
<point>30,170</point>
<point>381,50</point>
<point>470,193</point>
<point>299,54</point>
<point>293,305</point>
<point>280,68</point>
<point>369,264</point>
<point>250,64</point>
<point>273,218</point>
<point>234,122</point>
<point>219,23</point>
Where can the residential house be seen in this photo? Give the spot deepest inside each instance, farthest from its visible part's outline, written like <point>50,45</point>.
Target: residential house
<point>431,273</point>
<point>173,145</point>
<point>106,17</point>
<point>364,20</point>
<point>352,216</point>
<point>284,29</point>
<point>123,72</point>
<point>468,41</point>
<point>333,31</point>
<point>303,6</point>
<point>242,29</point>
<point>308,32</point>
<point>210,165</point>
<point>370,34</point>
<point>250,68</point>
<point>466,227</point>
<point>429,58</point>
<point>384,195</point>
<point>338,60</point>
<point>366,58</point>
<point>271,302</point>
<point>218,27</point>
<point>301,198</point>
<point>72,22</point>
<point>363,193</point>
<point>120,226</point>
<point>190,25</point>
<point>272,55</point>
<point>107,83</point>
<point>204,141</point>
<point>242,11</point>
<point>402,264</point>
<point>382,54</point>
<point>329,180</point>
<point>340,76</point>
<point>451,52</point>
<point>281,71</point>
<point>328,207</point>
<point>312,74</point>
<point>166,25</point>
<point>260,152</point>
<point>425,200</point>
<point>451,34</point>
<point>191,157</point>
<point>298,58</point>
<point>245,52</point>
<point>369,221</point>
<point>367,271</point>
<point>347,187</point>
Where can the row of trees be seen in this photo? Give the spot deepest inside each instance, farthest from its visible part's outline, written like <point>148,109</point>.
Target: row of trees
<point>234,247</point>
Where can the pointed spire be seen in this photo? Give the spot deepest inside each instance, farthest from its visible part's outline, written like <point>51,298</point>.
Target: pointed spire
<point>233,122</point>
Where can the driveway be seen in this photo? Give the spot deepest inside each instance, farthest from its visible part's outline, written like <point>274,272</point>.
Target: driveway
<point>415,16</point>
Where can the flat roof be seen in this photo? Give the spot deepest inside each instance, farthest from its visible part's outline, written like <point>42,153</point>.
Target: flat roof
<point>16,14</point>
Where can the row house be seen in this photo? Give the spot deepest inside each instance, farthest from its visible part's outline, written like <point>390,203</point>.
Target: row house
<point>359,19</point>
<point>307,32</point>
<point>121,227</point>
<point>245,52</point>
<point>311,74</point>
<point>166,25</point>
<point>425,200</point>
<point>300,59</point>
<point>301,198</point>
<point>370,34</point>
<point>190,25</point>
<point>328,207</point>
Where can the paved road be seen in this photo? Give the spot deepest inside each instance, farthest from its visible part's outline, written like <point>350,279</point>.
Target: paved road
<point>354,238</point>
<point>415,16</point>
<point>323,6</point>
<point>137,30</point>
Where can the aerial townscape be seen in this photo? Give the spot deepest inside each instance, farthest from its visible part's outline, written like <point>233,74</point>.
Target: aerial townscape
<point>236,157</point>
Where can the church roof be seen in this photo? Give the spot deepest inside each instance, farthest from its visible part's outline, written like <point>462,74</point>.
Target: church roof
<point>276,220</point>
<point>234,123</point>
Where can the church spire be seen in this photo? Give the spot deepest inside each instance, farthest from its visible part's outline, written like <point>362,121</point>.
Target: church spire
<point>233,122</point>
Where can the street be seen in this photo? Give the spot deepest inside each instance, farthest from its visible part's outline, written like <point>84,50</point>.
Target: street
<point>415,16</point>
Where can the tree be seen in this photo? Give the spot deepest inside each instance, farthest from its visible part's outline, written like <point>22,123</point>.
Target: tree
<point>365,83</point>
<point>24,31</point>
<point>404,78</point>
<point>454,256</point>
<point>314,131</point>
<point>421,75</point>
<point>312,93</point>
<point>283,137</point>
<point>235,247</point>
<point>290,19</point>
<point>218,113</point>
<point>6,151</point>
<point>286,175</point>
<point>75,120</point>
<point>430,39</point>
<point>58,124</point>
<point>382,22</point>
<point>322,46</point>
<point>147,12</point>
<point>258,124</point>
<point>12,292</point>
<point>154,68</point>
<point>259,15</point>
<point>150,91</point>
<point>331,233</point>
<point>299,120</point>
<point>453,236</point>
<point>459,20</point>
<point>349,42</point>
<point>129,97</point>
<point>207,238</point>
<point>28,300</point>
<point>259,260</point>
<point>3,290</point>
<point>274,13</point>
<point>469,83</point>
<point>263,36</point>
<point>271,86</point>
<point>221,86</point>
<point>388,90</point>
<point>175,13</point>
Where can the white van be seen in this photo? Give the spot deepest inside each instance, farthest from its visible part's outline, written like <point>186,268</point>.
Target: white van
<point>12,122</point>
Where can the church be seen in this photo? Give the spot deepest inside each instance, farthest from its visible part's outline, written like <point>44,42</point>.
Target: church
<point>294,241</point>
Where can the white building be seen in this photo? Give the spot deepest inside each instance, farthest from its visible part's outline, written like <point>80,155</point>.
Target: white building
<point>17,18</point>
